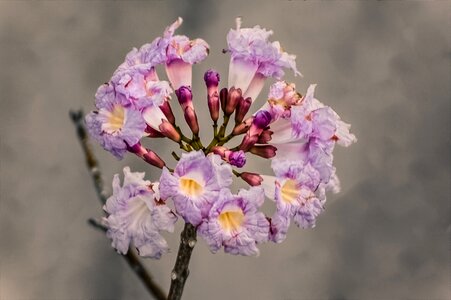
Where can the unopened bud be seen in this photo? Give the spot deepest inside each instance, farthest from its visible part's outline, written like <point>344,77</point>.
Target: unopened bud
<point>242,109</point>
<point>243,127</point>
<point>223,98</point>
<point>219,150</point>
<point>169,131</point>
<point>137,149</point>
<point>265,136</point>
<point>153,159</point>
<point>185,97</point>
<point>236,158</point>
<point>213,106</point>
<point>233,98</point>
<point>262,119</point>
<point>191,119</point>
<point>167,111</point>
<point>248,142</point>
<point>153,133</point>
<point>211,78</point>
<point>253,179</point>
<point>265,151</point>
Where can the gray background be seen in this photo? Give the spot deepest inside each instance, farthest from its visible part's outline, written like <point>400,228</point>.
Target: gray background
<point>383,66</point>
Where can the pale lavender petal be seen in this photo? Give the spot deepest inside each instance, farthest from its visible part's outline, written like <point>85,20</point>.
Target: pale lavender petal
<point>135,218</point>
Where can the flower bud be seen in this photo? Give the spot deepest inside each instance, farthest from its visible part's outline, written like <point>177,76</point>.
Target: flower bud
<point>265,136</point>
<point>223,98</point>
<point>191,119</point>
<point>147,155</point>
<point>185,97</point>
<point>242,109</point>
<point>169,131</point>
<point>211,78</point>
<point>153,133</point>
<point>243,127</point>
<point>236,158</point>
<point>219,150</point>
<point>233,98</point>
<point>253,179</point>
<point>213,106</point>
<point>153,159</point>
<point>248,142</point>
<point>167,111</point>
<point>265,151</point>
<point>262,119</point>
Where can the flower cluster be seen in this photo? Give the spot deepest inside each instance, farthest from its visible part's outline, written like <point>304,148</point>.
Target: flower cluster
<point>296,133</point>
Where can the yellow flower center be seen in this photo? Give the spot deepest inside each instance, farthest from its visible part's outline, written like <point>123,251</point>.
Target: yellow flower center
<point>190,187</point>
<point>289,191</point>
<point>231,220</point>
<point>116,119</point>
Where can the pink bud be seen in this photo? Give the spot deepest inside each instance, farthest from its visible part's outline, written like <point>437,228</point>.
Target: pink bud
<point>153,133</point>
<point>253,179</point>
<point>266,151</point>
<point>223,98</point>
<point>167,111</point>
<point>191,119</point>
<point>219,150</point>
<point>233,98</point>
<point>185,97</point>
<point>153,159</point>
<point>248,142</point>
<point>213,106</point>
<point>169,131</point>
<point>243,127</point>
<point>147,155</point>
<point>242,109</point>
<point>212,79</point>
<point>265,136</point>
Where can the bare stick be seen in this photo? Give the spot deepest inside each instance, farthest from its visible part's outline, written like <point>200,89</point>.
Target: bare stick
<point>136,265</point>
<point>180,272</point>
<point>93,167</point>
<point>131,258</point>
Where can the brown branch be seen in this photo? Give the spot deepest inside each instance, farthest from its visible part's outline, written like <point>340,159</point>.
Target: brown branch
<point>180,272</point>
<point>91,161</point>
<point>135,264</point>
<point>131,258</point>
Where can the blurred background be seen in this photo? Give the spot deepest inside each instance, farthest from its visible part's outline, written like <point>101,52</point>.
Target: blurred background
<point>383,66</point>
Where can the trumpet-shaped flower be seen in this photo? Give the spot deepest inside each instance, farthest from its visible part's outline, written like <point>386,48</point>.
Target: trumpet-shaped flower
<point>136,216</point>
<point>254,58</point>
<point>117,124</point>
<point>195,184</point>
<point>235,222</point>
<point>295,189</point>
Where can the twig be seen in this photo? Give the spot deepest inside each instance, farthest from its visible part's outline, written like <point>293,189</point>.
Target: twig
<point>131,258</point>
<point>180,272</point>
<point>136,265</point>
<point>78,119</point>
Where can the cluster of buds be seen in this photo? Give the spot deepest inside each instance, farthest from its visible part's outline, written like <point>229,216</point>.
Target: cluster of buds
<point>296,133</point>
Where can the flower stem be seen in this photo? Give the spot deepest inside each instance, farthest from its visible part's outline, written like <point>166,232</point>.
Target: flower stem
<point>180,273</point>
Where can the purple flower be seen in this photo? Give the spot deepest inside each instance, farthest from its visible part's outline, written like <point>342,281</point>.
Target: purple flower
<point>254,58</point>
<point>181,54</point>
<point>195,184</point>
<point>312,119</point>
<point>295,187</point>
<point>142,91</point>
<point>136,216</point>
<point>235,222</point>
<point>282,96</point>
<point>117,124</point>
